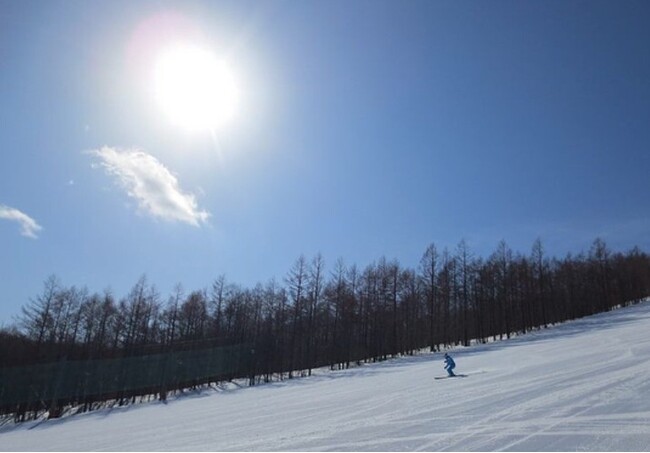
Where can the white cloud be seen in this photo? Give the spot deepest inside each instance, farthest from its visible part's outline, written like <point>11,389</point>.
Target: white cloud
<point>28,226</point>
<point>151,184</point>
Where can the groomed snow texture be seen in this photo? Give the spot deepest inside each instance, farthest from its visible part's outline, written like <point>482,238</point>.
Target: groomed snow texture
<point>584,385</point>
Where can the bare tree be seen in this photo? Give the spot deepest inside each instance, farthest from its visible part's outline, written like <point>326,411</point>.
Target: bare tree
<point>428,274</point>
<point>296,281</point>
<point>315,288</point>
<point>217,298</point>
<point>36,319</point>
<point>193,316</point>
<point>464,275</point>
<point>540,274</point>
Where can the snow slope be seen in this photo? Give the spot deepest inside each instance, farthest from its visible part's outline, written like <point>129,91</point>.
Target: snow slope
<point>584,385</point>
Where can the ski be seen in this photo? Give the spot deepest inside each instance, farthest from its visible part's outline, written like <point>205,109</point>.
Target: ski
<point>450,377</point>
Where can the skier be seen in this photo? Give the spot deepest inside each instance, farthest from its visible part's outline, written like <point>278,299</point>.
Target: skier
<point>449,365</point>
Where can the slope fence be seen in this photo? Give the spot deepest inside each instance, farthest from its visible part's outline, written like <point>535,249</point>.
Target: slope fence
<point>50,386</point>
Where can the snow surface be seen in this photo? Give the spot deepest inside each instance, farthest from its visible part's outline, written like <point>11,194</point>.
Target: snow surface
<point>584,385</point>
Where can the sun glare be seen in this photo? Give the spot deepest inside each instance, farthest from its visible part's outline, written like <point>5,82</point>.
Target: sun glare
<point>196,91</point>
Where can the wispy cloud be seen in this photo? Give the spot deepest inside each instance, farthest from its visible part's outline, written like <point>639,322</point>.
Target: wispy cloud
<point>151,184</point>
<point>28,226</point>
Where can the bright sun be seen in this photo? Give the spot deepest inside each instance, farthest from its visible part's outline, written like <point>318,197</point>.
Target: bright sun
<point>195,90</point>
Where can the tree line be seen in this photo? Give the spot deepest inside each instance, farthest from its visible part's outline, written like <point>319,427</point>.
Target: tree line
<point>336,316</point>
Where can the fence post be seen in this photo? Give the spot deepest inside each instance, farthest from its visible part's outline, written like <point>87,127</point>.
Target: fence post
<point>54,409</point>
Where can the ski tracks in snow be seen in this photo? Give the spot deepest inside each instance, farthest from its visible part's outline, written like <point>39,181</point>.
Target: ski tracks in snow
<point>590,403</point>
<point>580,386</point>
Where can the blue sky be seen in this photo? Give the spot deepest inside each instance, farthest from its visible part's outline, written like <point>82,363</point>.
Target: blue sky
<point>363,129</point>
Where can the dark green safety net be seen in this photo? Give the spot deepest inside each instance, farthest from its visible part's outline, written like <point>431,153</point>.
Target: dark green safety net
<point>81,380</point>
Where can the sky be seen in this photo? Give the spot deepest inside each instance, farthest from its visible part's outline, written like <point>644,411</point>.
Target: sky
<point>358,130</point>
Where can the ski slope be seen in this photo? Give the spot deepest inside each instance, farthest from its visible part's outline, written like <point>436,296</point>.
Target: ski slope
<point>584,385</point>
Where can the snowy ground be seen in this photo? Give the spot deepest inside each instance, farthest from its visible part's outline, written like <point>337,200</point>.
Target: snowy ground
<point>584,385</point>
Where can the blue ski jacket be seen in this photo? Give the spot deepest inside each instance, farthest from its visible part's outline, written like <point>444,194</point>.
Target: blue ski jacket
<point>449,362</point>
